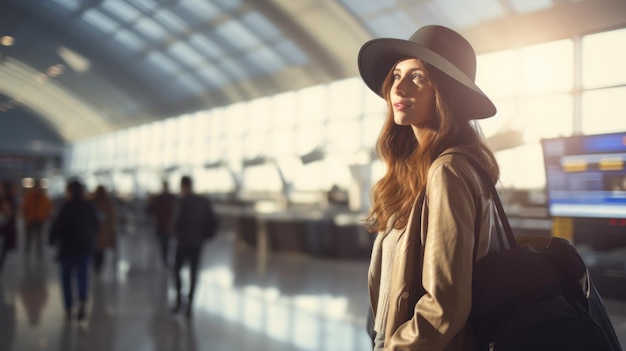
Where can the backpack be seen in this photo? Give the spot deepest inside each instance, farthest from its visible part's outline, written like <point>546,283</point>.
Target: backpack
<point>525,299</point>
<point>543,298</point>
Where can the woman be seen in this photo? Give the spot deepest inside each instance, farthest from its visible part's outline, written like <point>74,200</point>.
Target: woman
<point>106,237</point>
<point>428,205</point>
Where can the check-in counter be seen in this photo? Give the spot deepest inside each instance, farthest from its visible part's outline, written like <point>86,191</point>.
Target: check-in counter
<point>336,232</point>
<point>323,233</point>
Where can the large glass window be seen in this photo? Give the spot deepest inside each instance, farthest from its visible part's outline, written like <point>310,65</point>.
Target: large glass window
<point>603,59</point>
<point>145,146</point>
<point>372,125</point>
<point>259,122</point>
<point>312,104</point>
<point>308,137</point>
<point>603,110</point>
<point>537,90</point>
<point>544,116</point>
<point>234,116</point>
<point>134,140</point>
<point>522,167</point>
<point>547,68</point>
<point>199,148</point>
<point>261,179</point>
<point>186,140</point>
<point>532,90</point>
<point>312,177</point>
<point>157,136</point>
<point>215,141</point>
<point>496,74</point>
<point>148,181</point>
<point>343,136</point>
<point>375,109</point>
<point>282,143</point>
<point>345,99</point>
<point>259,119</point>
<point>121,149</point>
<point>255,145</point>
<point>217,180</point>
<point>602,56</point>
<point>373,104</point>
<point>284,111</point>
<point>109,146</point>
<point>170,150</point>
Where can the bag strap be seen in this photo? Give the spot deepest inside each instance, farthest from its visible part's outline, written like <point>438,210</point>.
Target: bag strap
<point>495,197</point>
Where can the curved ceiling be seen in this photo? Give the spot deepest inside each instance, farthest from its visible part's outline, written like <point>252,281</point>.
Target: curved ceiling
<point>89,67</point>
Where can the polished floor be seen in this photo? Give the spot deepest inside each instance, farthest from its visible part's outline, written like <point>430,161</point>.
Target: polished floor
<point>244,301</point>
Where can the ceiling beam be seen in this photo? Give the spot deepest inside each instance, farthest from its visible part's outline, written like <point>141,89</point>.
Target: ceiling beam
<point>562,21</point>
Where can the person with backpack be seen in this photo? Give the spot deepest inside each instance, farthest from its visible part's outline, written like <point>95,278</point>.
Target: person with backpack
<point>425,208</point>
<point>193,223</point>
<point>435,281</point>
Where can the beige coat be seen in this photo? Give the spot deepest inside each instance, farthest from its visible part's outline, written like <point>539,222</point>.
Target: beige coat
<point>430,297</point>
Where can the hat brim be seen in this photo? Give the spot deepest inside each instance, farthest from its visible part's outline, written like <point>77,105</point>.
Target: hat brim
<point>378,56</point>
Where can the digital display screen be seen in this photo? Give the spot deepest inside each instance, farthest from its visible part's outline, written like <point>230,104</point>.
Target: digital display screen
<point>586,175</point>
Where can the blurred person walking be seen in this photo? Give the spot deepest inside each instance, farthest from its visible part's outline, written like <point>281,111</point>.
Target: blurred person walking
<point>106,238</point>
<point>161,208</point>
<point>193,223</point>
<point>36,210</point>
<point>8,219</point>
<point>73,232</point>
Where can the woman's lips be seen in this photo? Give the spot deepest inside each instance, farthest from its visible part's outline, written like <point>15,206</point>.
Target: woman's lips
<point>401,105</point>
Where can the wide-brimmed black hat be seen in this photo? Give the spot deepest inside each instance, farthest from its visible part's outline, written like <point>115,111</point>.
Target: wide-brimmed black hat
<point>438,46</point>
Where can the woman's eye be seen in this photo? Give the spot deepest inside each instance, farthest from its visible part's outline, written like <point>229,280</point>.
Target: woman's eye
<point>414,76</point>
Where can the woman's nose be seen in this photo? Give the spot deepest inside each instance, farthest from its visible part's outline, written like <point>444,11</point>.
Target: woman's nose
<point>399,90</point>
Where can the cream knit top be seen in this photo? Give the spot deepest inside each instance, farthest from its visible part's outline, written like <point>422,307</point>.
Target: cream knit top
<point>389,243</point>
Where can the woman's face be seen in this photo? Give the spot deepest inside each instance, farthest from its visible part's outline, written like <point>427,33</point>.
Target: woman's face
<point>412,96</point>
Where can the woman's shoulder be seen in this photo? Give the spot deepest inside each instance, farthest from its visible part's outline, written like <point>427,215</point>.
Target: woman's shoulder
<point>453,166</point>
<point>452,158</point>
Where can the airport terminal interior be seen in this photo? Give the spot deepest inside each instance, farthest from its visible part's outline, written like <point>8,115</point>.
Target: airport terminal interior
<point>262,105</point>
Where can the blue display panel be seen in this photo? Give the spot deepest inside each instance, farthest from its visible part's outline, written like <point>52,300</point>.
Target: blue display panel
<point>586,175</point>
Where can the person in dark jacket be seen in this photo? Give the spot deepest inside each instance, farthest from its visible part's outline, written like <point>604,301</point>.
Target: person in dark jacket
<point>194,221</point>
<point>73,232</point>
<point>8,220</point>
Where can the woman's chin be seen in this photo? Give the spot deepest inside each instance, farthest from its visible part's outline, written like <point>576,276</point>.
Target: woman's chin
<point>399,120</point>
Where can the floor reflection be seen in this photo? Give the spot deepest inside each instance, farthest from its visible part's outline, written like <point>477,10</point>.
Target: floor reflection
<point>294,303</point>
<point>7,318</point>
<point>33,289</point>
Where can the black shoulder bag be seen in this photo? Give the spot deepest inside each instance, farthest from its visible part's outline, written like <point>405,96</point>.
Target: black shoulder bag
<point>535,299</point>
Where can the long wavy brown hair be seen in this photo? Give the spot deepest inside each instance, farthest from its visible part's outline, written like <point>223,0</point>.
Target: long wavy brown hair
<point>407,161</point>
